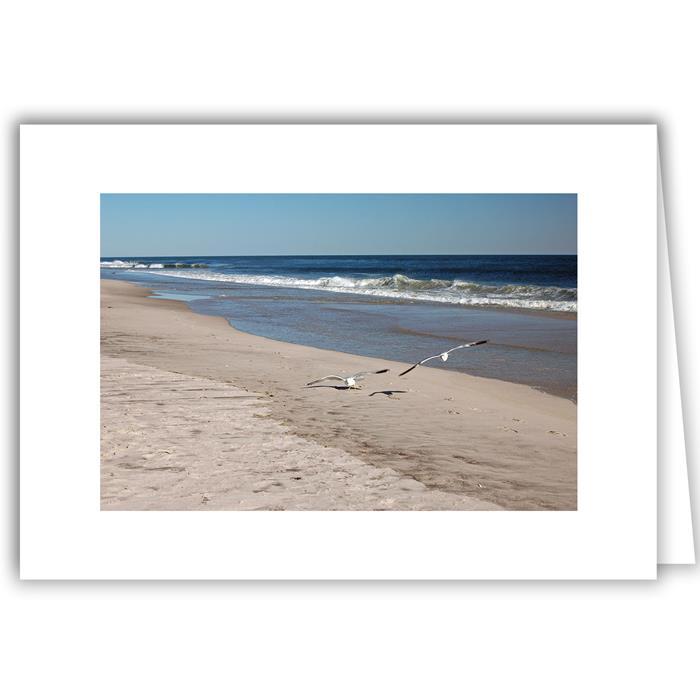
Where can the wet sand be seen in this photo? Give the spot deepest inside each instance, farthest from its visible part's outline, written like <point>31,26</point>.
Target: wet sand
<point>197,415</point>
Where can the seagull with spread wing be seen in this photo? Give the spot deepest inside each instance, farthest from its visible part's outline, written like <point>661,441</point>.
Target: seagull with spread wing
<point>351,380</point>
<point>443,355</point>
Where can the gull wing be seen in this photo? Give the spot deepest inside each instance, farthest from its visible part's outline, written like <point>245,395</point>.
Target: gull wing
<point>360,375</point>
<point>434,357</point>
<point>467,345</point>
<point>323,379</point>
<point>406,371</point>
<point>418,364</point>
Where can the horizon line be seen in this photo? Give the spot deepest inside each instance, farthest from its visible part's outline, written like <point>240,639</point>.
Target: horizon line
<point>330,255</point>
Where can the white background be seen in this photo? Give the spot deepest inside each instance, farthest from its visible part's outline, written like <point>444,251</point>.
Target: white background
<point>505,61</point>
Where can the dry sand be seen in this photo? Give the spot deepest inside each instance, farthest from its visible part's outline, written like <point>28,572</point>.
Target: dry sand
<point>197,415</point>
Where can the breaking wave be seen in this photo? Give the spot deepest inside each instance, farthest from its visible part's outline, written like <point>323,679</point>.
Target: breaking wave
<point>402,287</point>
<point>139,265</point>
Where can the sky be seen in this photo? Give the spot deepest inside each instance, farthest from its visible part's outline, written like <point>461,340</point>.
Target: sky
<point>337,224</point>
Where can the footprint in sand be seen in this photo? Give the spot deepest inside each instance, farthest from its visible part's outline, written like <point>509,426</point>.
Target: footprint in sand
<point>507,429</point>
<point>557,433</point>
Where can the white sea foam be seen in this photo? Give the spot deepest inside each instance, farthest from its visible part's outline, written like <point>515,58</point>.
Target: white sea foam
<point>405,288</point>
<point>117,263</point>
<point>140,265</point>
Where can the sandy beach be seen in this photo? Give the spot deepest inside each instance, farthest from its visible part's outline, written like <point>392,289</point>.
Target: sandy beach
<point>199,416</point>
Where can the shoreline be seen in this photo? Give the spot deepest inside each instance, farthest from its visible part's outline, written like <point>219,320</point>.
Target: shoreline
<point>379,299</point>
<point>452,440</point>
<point>563,386</point>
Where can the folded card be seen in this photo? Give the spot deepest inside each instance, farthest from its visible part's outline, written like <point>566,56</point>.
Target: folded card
<point>342,352</point>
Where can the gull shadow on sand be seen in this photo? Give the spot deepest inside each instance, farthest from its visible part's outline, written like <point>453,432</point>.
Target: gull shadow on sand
<point>389,392</point>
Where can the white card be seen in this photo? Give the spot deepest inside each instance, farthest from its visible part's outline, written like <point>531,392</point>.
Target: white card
<point>612,532</point>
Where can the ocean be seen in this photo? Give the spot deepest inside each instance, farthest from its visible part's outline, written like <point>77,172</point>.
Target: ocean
<point>395,307</point>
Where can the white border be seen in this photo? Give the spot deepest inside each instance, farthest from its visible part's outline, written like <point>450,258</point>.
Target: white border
<point>64,169</point>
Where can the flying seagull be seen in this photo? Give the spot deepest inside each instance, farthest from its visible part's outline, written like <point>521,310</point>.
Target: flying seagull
<point>351,381</point>
<point>443,355</point>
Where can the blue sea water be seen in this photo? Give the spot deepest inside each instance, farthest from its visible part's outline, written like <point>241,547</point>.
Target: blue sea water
<point>545,282</point>
<point>395,307</point>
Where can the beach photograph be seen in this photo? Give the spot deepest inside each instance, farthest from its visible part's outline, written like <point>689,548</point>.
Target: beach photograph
<point>338,352</point>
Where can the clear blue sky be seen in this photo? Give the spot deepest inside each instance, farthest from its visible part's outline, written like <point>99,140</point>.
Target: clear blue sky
<point>335,224</point>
